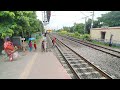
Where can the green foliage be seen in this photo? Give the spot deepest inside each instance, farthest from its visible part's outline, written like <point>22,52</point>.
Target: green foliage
<point>63,32</point>
<point>66,29</point>
<point>22,23</point>
<point>88,26</point>
<point>6,31</point>
<point>79,28</point>
<point>37,37</point>
<point>96,24</point>
<point>71,29</point>
<point>6,23</point>
<point>76,34</point>
<point>86,37</point>
<point>110,19</point>
<point>76,28</point>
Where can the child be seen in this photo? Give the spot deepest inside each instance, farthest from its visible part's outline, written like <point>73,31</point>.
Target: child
<point>30,45</point>
<point>54,41</point>
<point>16,48</point>
<point>35,45</point>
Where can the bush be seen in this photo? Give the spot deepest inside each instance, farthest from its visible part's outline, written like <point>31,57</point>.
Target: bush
<point>63,32</point>
<point>77,34</point>
<point>86,37</point>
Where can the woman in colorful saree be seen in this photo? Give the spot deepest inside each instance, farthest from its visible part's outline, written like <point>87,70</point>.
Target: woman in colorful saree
<point>9,48</point>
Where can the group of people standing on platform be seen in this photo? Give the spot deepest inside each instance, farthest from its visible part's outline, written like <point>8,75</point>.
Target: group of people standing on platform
<point>31,45</point>
<point>10,49</point>
<point>43,43</point>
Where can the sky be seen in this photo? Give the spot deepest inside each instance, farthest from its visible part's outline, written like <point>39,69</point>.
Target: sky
<point>68,18</point>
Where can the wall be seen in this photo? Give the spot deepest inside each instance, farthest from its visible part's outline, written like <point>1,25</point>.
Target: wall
<point>96,34</point>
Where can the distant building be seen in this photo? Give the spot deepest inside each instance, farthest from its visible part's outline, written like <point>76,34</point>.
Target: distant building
<point>105,33</point>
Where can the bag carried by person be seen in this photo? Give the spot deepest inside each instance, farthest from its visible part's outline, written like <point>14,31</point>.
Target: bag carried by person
<point>3,52</point>
<point>15,55</point>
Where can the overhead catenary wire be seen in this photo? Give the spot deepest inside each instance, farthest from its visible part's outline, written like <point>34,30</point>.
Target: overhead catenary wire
<point>83,13</point>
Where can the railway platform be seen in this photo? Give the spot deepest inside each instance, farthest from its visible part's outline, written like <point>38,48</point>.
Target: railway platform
<point>46,66</point>
<point>34,65</point>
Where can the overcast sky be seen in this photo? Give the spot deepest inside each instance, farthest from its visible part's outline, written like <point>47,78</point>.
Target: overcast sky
<point>68,18</point>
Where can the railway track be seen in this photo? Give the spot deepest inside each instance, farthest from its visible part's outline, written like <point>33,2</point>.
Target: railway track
<point>96,47</point>
<point>61,59</point>
<point>80,67</point>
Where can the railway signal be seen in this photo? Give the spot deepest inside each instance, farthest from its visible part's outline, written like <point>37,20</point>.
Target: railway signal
<point>46,17</point>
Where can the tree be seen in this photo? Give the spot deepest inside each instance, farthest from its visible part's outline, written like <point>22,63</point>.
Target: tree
<point>110,19</point>
<point>79,28</point>
<point>66,29</point>
<point>71,29</point>
<point>88,26</point>
<point>96,24</point>
<point>76,28</point>
<point>19,23</point>
<point>27,23</point>
<point>22,21</point>
<point>6,23</point>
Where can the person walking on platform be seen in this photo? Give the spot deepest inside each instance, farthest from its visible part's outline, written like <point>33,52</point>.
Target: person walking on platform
<point>30,45</point>
<point>44,43</point>
<point>35,46</point>
<point>42,46</point>
<point>54,41</point>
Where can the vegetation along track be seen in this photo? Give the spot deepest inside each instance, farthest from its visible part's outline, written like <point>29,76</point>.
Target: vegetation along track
<point>81,67</point>
<point>96,47</point>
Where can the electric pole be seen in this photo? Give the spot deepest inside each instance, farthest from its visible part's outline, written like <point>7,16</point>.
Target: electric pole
<point>85,23</point>
<point>86,19</point>
<point>92,20</point>
<point>46,18</point>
